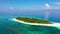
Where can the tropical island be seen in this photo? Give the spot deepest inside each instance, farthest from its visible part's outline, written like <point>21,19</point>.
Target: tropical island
<point>33,20</point>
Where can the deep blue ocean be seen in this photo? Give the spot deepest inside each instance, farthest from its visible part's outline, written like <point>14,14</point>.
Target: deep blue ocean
<point>8,26</point>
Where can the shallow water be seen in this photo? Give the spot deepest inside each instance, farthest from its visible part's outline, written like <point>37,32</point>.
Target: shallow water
<point>8,26</point>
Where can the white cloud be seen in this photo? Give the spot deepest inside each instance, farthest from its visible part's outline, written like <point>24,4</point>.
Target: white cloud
<point>47,6</point>
<point>58,3</point>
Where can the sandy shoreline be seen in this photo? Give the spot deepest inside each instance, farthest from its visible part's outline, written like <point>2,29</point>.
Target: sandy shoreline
<point>53,24</point>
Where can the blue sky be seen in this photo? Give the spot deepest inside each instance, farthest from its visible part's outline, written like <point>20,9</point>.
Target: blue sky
<point>29,4</point>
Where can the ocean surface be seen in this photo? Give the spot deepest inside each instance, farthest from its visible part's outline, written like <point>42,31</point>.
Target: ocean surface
<point>8,26</point>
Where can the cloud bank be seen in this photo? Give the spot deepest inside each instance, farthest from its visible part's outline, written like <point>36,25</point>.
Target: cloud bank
<point>58,3</point>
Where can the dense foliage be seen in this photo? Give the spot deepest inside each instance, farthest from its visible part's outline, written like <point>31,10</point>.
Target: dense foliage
<point>33,20</point>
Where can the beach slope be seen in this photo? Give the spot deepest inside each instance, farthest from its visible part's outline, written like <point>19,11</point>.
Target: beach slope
<point>53,24</point>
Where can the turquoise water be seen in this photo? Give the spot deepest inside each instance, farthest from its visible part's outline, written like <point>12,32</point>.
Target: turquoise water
<point>8,26</point>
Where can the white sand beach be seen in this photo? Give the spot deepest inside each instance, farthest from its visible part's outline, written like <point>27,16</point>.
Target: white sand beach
<point>53,24</point>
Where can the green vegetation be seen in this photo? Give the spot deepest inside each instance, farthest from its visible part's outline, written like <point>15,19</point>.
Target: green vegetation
<point>33,20</point>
